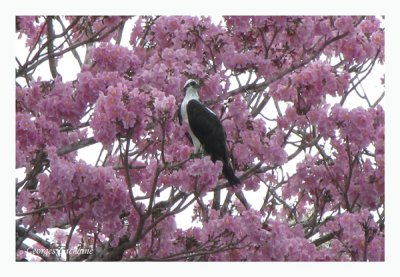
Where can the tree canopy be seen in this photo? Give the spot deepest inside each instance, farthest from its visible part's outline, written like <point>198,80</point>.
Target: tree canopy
<point>305,134</point>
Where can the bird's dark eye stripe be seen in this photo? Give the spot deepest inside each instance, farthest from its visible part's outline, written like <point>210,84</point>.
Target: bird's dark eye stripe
<point>192,83</point>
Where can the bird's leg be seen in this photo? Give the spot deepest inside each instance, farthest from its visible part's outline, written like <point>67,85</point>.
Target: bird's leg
<point>199,152</point>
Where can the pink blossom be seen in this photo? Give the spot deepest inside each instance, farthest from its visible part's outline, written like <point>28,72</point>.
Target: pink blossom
<point>114,58</point>
<point>205,174</point>
<point>344,23</point>
<point>351,230</point>
<point>25,24</point>
<point>60,236</point>
<point>165,106</point>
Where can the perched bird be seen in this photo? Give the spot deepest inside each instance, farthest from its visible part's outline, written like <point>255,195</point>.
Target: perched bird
<point>205,129</point>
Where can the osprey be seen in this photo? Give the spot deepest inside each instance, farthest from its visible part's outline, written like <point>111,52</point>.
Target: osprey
<point>205,129</point>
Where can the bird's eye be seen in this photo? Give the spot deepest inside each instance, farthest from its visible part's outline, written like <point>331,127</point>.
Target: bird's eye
<point>193,83</point>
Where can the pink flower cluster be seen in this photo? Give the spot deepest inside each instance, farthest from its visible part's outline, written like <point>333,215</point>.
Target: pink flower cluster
<point>198,176</point>
<point>257,241</point>
<point>94,194</point>
<point>206,174</point>
<point>351,132</point>
<point>355,125</point>
<point>29,26</point>
<point>357,236</point>
<point>118,110</point>
<point>110,58</point>
<point>250,140</point>
<point>364,41</point>
<point>309,86</point>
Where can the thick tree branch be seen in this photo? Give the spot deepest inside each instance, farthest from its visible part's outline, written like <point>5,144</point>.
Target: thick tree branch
<point>50,46</point>
<point>75,146</point>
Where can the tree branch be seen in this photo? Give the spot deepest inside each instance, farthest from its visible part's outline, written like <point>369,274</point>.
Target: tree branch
<point>75,146</point>
<point>50,46</point>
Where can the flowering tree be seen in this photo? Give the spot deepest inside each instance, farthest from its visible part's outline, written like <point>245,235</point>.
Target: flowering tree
<point>305,136</point>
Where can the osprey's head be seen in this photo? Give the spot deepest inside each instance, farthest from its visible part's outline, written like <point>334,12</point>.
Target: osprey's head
<point>191,83</point>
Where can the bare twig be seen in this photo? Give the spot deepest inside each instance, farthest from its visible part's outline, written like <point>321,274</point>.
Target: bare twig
<point>127,172</point>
